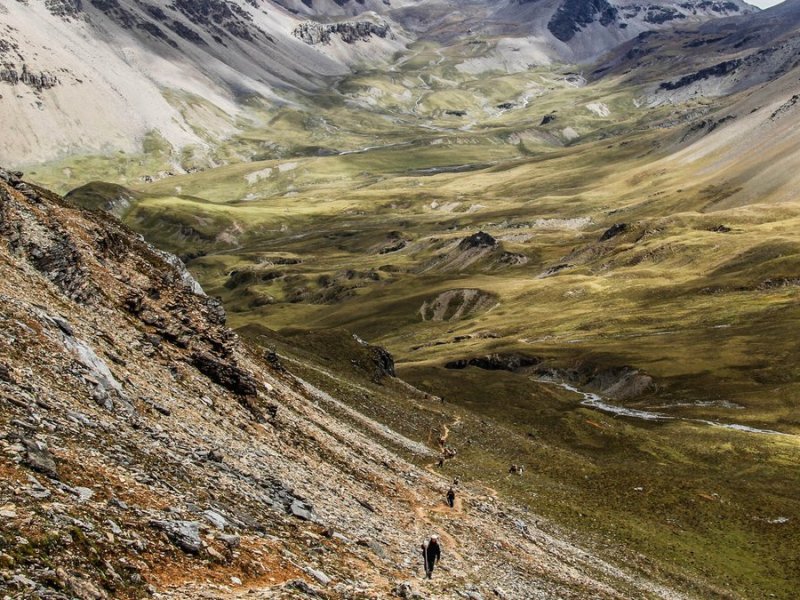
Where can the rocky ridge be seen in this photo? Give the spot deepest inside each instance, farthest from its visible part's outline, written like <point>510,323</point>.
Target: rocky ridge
<point>146,450</point>
<point>350,32</point>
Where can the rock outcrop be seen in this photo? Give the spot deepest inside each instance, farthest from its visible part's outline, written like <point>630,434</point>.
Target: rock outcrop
<point>349,31</point>
<point>38,80</point>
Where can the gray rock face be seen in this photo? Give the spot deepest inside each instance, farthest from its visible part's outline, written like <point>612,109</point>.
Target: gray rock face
<point>184,534</point>
<point>38,80</point>
<point>348,31</point>
<point>66,9</point>
<point>38,458</point>
<point>301,510</point>
<point>573,15</point>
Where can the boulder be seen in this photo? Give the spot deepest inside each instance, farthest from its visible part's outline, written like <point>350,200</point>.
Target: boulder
<point>184,534</point>
<point>38,458</point>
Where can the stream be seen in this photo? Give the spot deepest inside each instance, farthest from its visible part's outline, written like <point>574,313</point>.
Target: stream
<point>596,402</point>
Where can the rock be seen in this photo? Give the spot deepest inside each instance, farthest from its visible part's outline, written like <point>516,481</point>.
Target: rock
<point>319,576</point>
<point>117,503</point>
<point>477,240</point>
<point>373,545</point>
<point>216,311</point>
<point>38,458</point>
<point>184,534</point>
<point>226,374</point>
<point>8,511</point>
<point>495,362</point>
<point>5,373</point>
<point>115,529</point>
<point>383,361</point>
<point>236,581</point>
<point>613,231</point>
<point>574,15</point>
<point>84,494</point>
<point>301,510</point>
<point>302,587</point>
<point>85,590</point>
<point>403,589</point>
<point>547,119</point>
<point>231,541</point>
<point>349,31</point>
<point>216,519</point>
<point>213,553</point>
<point>186,278</point>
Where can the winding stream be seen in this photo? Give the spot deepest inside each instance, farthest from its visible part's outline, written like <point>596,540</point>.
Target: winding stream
<point>598,403</point>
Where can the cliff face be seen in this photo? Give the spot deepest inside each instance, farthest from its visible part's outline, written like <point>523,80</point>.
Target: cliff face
<point>350,32</point>
<point>144,449</point>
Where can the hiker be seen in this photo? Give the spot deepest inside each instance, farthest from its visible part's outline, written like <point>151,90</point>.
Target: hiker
<point>431,553</point>
<point>451,497</point>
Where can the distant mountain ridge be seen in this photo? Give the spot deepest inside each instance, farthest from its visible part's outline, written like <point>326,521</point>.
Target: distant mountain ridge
<point>94,76</point>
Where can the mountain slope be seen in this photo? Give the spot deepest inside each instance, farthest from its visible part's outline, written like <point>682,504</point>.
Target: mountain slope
<point>101,76</point>
<point>150,451</point>
<point>106,76</point>
<point>741,76</point>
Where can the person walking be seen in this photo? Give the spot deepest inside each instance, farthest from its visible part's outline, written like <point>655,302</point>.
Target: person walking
<point>451,498</point>
<point>431,553</point>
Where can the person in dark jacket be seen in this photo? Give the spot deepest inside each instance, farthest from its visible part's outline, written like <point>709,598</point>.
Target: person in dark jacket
<point>451,497</point>
<point>431,553</point>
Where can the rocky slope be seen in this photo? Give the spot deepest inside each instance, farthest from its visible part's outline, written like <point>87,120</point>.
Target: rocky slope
<point>741,76</point>
<point>145,450</point>
<point>89,77</point>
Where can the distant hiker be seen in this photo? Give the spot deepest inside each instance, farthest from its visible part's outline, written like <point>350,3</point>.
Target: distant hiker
<point>440,464</point>
<point>451,497</point>
<point>431,553</point>
<point>456,481</point>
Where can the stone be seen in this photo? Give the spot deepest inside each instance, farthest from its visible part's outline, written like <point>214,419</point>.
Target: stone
<point>319,576</point>
<point>613,231</point>
<point>216,519</point>
<point>213,553</point>
<point>38,458</point>
<point>403,589</point>
<point>184,534</point>
<point>5,373</point>
<point>301,510</point>
<point>374,546</point>
<point>302,587</point>
<point>84,494</point>
<point>232,541</point>
<point>477,240</point>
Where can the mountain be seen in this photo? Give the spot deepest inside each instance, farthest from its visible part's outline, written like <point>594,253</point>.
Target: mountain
<point>746,72</point>
<point>120,75</point>
<point>547,250</point>
<point>150,450</point>
<point>107,75</point>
